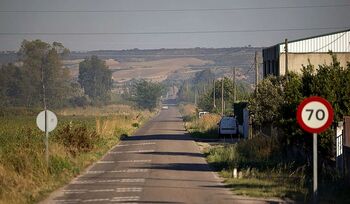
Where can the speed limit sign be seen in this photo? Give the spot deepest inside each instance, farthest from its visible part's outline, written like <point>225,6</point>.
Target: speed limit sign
<point>315,114</point>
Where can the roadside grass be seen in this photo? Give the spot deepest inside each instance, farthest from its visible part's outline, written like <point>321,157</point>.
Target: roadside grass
<point>259,174</point>
<point>254,187</point>
<point>261,170</point>
<point>199,128</point>
<point>78,141</point>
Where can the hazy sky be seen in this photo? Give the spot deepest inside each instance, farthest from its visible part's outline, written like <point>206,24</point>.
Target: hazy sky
<point>166,23</point>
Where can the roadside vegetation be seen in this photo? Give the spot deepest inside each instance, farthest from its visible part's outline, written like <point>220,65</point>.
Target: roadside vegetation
<point>260,169</point>
<point>200,128</point>
<point>77,142</point>
<point>256,168</point>
<point>91,118</point>
<point>280,164</point>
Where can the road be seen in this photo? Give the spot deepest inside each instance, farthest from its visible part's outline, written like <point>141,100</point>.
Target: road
<point>159,164</point>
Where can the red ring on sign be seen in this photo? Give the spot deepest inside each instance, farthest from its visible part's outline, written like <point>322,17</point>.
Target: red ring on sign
<point>315,99</point>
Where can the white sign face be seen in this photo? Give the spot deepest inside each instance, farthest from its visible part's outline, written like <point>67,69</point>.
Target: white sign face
<point>315,114</point>
<point>51,120</point>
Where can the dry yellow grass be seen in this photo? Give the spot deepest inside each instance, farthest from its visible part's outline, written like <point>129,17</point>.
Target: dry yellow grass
<point>111,126</point>
<point>188,110</point>
<point>205,123</point>
<point>24,176</point>
<point>109,110</point>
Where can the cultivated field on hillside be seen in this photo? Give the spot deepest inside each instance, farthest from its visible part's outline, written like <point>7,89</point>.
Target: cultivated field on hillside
<point>155,70</point>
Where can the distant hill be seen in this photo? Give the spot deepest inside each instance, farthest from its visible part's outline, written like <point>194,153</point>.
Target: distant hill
<point>166,64</point>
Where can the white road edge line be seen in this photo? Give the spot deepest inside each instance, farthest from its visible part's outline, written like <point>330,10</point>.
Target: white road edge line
<point>104,162</point>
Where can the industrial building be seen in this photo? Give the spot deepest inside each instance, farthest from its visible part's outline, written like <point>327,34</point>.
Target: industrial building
<point>301,51</point>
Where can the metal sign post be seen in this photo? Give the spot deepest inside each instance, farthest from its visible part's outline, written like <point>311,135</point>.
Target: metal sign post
<point>46,140</point>
<point>315,166</point>
<point>46,122</point>
<point>315,115</point>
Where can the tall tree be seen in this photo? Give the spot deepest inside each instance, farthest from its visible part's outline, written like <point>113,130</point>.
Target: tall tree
<point>146,94</point>
<point>265,104</point>
<point>96,79</point>
<point>22,84</point>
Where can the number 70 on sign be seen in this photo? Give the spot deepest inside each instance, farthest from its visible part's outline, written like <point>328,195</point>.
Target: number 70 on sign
<point>315,114</point>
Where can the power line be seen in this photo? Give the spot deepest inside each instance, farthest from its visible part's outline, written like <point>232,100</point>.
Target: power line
<point>169,32</point>
<point>329,43</point>
<point>174,10</point>
<point>250,69</point>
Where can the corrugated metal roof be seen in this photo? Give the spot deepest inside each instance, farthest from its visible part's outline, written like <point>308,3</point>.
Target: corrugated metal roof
<point>336,42</point>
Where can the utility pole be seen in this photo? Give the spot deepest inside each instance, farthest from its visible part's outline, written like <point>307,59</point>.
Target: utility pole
<point>256,71</point>
<point>195,96</point>
<point>214,93</point>
<point>234,85</point>
<point>222,96</point>
<point>286,51</point>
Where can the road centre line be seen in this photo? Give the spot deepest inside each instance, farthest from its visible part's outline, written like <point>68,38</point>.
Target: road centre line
<point>138,144</point>
<point>126,198</point>
<point>68,200</point>
<point>96,200</point>
<point>138,180</point>
<point>118,190</point>
<point>118,171</point>
<point>132,151</point>
<point>135,161</point>
<point>123,161</point>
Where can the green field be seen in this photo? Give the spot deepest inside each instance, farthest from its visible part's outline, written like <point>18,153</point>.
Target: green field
<point>74,144</point>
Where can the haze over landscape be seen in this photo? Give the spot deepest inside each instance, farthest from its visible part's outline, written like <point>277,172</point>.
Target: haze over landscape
<point>146,24</point>
<point>174,101</point>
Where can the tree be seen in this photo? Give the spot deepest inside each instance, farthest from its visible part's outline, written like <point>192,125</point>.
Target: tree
<point>96,79</point>
<point>277,100</point>
<point>264,106</point>
<point>22,85</point>
<point>146,94</point>
<point>206,99</point>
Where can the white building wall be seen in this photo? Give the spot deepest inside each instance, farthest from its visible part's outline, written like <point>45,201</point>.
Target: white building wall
<point>338,42</point>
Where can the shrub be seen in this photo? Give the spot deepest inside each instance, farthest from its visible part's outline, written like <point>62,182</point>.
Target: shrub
<point>77,139</point>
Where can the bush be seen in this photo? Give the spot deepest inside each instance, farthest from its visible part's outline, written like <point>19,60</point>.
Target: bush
<point>77,139</point>
<point>80,101</point>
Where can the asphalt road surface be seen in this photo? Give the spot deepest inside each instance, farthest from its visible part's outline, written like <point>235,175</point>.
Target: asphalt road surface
<point>159,164</point>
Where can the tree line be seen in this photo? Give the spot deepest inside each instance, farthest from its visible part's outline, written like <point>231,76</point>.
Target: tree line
<point>40,72</point>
